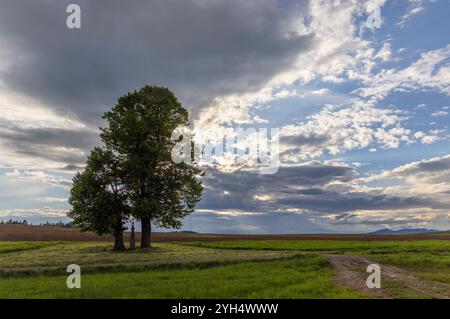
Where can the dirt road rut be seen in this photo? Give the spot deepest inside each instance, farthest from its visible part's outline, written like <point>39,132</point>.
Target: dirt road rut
<point>351,272</point>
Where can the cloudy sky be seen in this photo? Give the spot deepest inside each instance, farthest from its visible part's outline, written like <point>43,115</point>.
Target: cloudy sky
<point>362,112</point>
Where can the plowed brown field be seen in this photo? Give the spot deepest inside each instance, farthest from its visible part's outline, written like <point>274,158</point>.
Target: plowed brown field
<point>39,233</point>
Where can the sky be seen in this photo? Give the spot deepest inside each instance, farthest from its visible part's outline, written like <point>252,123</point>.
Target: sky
<point>362,111</point>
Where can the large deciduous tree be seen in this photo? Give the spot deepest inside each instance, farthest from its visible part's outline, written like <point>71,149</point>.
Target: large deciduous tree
<point>138,132</point>
<point>99,201</point>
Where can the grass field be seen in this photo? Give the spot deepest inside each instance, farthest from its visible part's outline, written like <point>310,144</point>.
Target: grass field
<point>297,277</point>
<point>227,269</point>
<point>427,260</point>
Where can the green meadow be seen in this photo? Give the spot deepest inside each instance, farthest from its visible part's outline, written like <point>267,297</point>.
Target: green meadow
<point>229,269</point>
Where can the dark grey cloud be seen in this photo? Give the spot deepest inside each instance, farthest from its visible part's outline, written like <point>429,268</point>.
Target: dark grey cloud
<point>314,187</point>
<point>53,136</point>
<point>339,202</point>
<point>301,140</point>
<point>54,144</point>
<point>434,165</point>
<point>72,168</point>
<point>425,172</point>
<point>200,49</point>
<point>309,174</point>
<point>237,190</point>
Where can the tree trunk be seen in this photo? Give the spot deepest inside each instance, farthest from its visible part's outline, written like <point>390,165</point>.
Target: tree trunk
<point>118,242</point>
<point>132,238</point>
<point>146,232</point>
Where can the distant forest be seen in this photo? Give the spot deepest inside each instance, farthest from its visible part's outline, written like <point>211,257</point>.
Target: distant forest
<point>48,224</point>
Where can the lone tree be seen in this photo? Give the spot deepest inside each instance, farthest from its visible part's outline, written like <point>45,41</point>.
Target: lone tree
<point>99,201</point>
<point>138,133</point>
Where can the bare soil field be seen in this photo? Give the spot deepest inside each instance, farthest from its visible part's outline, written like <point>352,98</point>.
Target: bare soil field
<point>41,233</point>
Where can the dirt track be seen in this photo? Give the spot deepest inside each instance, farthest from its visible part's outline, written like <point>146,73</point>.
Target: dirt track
<point>38,233</point>
<point>351,272</point>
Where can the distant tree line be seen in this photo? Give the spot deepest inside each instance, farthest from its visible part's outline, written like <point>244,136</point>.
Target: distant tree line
<point>14,222</point>
<point>60,224</point>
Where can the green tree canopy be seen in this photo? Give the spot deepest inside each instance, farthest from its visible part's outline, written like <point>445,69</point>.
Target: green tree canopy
<point>99,201</point>
<point>138,133</point>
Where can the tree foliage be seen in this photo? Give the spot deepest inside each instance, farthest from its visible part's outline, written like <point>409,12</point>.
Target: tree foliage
<point>99,201</point>
<point>139,133</point>
<point>134,175</point>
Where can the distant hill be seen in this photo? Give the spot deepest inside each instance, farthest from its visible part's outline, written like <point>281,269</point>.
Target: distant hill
<point>387,231</point>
